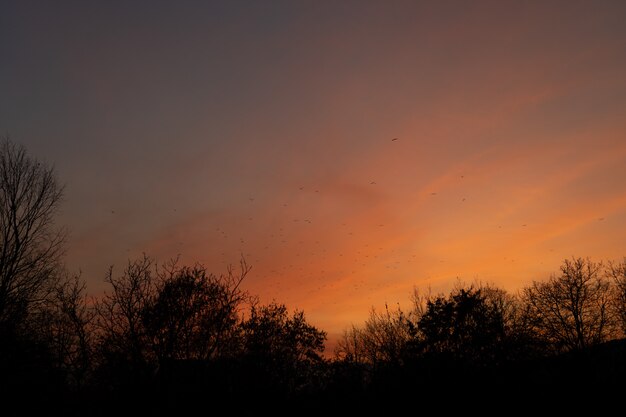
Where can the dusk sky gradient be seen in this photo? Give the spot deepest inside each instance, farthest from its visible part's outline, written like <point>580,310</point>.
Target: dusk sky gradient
<point>214,129</point>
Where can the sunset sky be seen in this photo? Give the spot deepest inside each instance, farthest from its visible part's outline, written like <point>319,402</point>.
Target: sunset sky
<point>349,150</point>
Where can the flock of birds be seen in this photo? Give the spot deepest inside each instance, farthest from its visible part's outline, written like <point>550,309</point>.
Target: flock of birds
<point>295,257</point>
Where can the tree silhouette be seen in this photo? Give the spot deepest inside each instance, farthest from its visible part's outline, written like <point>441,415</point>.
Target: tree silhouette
<point>350,347</point>
<point>382,339</point>
<point>572,310</point>
<point>617,272</point>
<point>66,324</point>
<point>469,324</point>
<point>30,245</point>
<point>284,348</point>
<point>123,343</point>
<point>194,315</point>
<point>30,251</point>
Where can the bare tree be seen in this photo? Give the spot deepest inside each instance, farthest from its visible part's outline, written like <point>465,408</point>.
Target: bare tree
<point>65,323</point>
<point>119,315</point>
<point>617,272</point>
<point>155,315</point>
<point>382,339</point>
<point>572,310</point>
<point>30,245</point>
<point>350,347</point>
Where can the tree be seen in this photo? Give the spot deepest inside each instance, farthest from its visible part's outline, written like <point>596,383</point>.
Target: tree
<point>194,315</point>
<point>284,348</point>
<point>351,347</point>
<point>30,251</point>
<point>30,245</point>
<point>66,324</point>
<point>154,318</point>
<point>572,311</point>
<point>469,324</point>
<point>617,272</point>
<point>122,338</point>
<point>382,339</point>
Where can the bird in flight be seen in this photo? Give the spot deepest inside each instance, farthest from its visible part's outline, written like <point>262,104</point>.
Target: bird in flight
<point>601,218</point>
<point>373,182</point>
<point>394,139</point>
<point>433,193</point>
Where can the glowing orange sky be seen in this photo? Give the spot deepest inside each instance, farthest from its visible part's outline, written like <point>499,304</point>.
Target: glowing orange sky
<point>219,130</point>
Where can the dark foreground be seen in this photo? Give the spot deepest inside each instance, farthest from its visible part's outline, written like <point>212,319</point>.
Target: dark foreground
<point>593,377</point>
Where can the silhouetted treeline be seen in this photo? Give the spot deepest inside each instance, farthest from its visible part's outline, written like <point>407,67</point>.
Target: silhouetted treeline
<point>173,339</point>
<point>562,334</point>
<point>161,339</point>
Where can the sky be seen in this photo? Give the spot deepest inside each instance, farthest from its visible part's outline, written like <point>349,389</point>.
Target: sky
<point>350,151</point>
